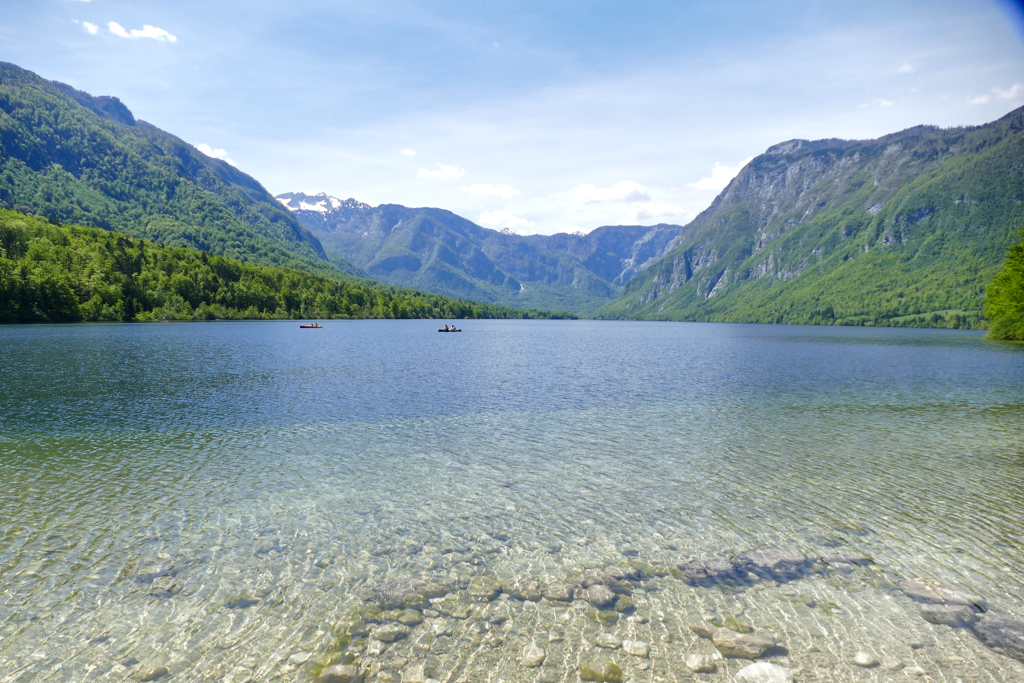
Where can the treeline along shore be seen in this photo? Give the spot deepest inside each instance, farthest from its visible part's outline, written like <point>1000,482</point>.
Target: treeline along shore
<point>51,272</point>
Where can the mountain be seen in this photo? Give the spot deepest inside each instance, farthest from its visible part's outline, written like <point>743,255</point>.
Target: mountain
<point>441,252</point>
<point>68,273</point>
<point>907,229</point>
<point>75,158</point>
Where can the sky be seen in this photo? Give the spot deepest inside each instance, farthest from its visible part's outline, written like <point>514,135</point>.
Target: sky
<point>538,117</point>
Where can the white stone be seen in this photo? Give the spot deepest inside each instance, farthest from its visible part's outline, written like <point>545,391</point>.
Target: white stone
<point>637,648</point>
<point>702,664</point>
<point>609,641</point>
<point>865,659</point>
<point>763,672</point>
<point>533,656</point>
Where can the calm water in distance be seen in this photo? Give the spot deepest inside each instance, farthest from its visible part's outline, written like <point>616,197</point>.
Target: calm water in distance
<point>219,499</point>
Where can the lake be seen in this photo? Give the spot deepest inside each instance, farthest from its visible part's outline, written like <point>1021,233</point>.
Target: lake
<point>219,501</point>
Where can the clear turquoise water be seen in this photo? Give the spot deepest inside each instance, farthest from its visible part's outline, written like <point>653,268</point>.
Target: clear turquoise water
<point>270,476</point>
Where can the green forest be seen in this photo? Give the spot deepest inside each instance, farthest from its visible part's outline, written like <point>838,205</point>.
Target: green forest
<point>1004,298</point>
<point>67,273</point>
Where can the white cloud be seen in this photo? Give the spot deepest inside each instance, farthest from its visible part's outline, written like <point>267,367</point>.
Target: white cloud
<point>146,31</point>
<point>642,212</point>
<point>488,190</point>
<point>884,104</point>
<point>720,176</point>
<point>409,152</point>
<point>91,29</point>
<point>504,219</point>
<point>622,191</point>
<point>906,69</point>
<point>215,153</point>
<point>443,172</point>
<point>1014,92</point>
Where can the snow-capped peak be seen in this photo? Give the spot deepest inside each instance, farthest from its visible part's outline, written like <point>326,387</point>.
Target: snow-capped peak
<point>320,202</point>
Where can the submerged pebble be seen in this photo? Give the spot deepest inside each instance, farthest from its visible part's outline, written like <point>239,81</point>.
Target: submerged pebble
<point>701,664</point>
<point>533,655</point>
<point>763,672</point>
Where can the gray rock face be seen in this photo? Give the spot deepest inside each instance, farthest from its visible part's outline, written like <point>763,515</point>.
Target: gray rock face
<point>623,573</point>
<point>339,673</point>
<point>743,645</point>
<point>707,572</point>
<point>774,563</point>
<point>1005,636</point>
<point>562,592</point>
<point>533,656</point>
<point>593,577</point>
<point>701,664</point>
<point>599,595</point>
<point>934,592</point>
<point>948,615</point>
<point>523,587</point>
<point>763,672</point>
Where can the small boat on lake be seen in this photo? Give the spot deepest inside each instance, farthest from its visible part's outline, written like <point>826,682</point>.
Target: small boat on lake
<point>451,330</point>
<point>314,326</point>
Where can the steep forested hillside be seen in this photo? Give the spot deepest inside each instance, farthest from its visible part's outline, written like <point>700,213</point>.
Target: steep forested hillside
<point>81,159</point>
<point>438,251</point>
<point>1004,298</point>
<point>66,273</point>
<point>904,230</point>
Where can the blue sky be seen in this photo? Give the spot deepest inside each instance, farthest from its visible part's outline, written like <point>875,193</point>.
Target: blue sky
<point>536,116</point>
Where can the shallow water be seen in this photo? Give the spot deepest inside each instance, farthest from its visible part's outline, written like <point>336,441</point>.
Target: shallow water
<point>219,499</point>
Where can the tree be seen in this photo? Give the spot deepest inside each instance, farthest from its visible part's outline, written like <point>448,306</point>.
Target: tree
<point>1004,298</point>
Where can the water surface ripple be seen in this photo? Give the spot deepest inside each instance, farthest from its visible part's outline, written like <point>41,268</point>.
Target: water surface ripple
<point>215,502</point>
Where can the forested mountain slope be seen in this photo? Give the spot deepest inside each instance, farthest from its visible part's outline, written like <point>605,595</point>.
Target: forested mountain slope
<point>67,273</point>
<point>907,229</point>
<point>75,158</point>
<point>438,251</point>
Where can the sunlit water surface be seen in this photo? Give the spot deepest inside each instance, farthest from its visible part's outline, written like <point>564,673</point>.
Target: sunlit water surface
<point>215,501</point>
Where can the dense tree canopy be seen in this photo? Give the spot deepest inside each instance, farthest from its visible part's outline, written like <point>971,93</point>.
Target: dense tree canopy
<point>60,273</point>
<point>1004,298</point>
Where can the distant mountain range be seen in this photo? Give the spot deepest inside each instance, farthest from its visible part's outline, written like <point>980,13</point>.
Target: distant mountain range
<point>75,158</point>
<point>441,252</point>
<point>907,229</point>
<point>899,230</point>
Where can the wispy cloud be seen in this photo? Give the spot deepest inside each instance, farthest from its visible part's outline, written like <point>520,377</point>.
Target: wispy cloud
<point>443,172</point>
<point>720,176</point>
<point>409,152</point>
<point>641,212</point>
<point>146,31</point>
<point>884,104</point>
<point>906,69</point>
<point>504,219</point>
<point>1014,92</point>
<point>215,153</point>
<point>91,29</point>
<point>488,190</point>
<point>622,191</point>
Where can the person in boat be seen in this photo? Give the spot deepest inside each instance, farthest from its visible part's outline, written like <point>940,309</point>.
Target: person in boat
<point>445,328</point>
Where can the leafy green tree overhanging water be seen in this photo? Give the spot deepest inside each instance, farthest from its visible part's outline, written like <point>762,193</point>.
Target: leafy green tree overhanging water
<point>63,273</point>
<point>1004,298</point>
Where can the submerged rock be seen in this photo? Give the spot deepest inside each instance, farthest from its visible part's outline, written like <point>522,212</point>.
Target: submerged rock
<point>340,673</point>
<point>763,672</point>
<point>865,659</point>
<point>389,633</point>
<point>701,664</point>
<point>407,593</point>
<point>637,648</point>
<point>925,590</point>
<point>410,617</point>
<point>533,656</point>
<point>774,563</point>
<point>602,670</point>
<point>743,645</point>
<point>599,595</point>
<point>948,615</point>
<point>1005,636</point>
<point>523,588</point>
<point>609,641</point>
<point>703,629</point>
<point>623,573</point>
<point>708,572</point>
<point>561,592</point>
<point>483,588</point>
<point>592,577</point>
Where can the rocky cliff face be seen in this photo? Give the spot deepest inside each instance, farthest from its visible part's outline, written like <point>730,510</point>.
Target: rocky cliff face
<point>438,251</point>
<point>806,212</point>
